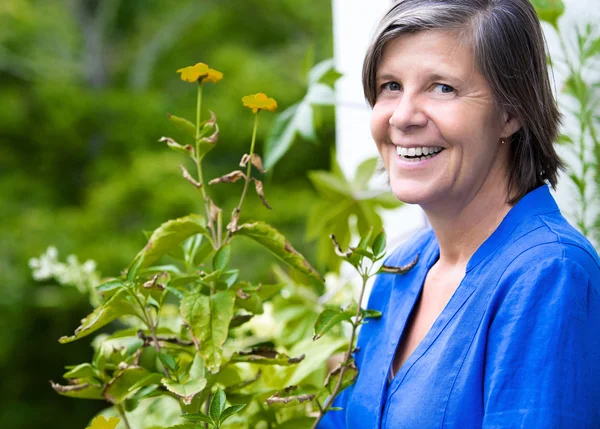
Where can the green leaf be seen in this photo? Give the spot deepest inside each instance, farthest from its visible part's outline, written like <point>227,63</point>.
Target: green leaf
<point>298,423</point>
<point>80,391</point>
<point>217,405</point>
<point>371,314</point>
<point>379,244</point>
<point>183,124</point>
<point>194,384</point>
<point>208,318</point>
<point>230,411</point>
<point>109,288</point>
<point>549,10</point>
<point>203,251</point>
<point>121,304</point>
<point>168,361</point>
<point>364,172</point>
<point>276,243</point>
<point>328,319</point>
<point>295,120</point>
<point>198,418</point>
<point>85,370</point>
<point>221,258</point>
<point>324,72</point>
<point>564,139</point>
<point>127,382</point>
<point>169,235</point>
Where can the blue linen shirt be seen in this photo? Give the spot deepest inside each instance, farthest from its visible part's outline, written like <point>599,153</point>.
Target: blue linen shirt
<point>517,345</point>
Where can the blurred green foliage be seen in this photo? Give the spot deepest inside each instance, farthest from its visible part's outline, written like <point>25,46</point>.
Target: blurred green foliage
<point>85,86</point>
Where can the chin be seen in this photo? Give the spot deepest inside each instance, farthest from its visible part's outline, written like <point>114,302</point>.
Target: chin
<point>411,194</point>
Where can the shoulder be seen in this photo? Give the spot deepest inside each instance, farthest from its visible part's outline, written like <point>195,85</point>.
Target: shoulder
<point>552,245</point>
<point>555,270</point>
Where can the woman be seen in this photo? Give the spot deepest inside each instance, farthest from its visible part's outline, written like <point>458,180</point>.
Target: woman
<point>498,324</point>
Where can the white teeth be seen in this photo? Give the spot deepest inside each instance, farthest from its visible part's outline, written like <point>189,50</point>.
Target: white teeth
<point>423,152</point>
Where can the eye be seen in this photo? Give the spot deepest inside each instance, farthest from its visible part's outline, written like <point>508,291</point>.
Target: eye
<point>391,86</point>
<point>442,88</point>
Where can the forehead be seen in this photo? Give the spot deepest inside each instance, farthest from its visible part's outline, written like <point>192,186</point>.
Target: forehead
<point>432,51</point>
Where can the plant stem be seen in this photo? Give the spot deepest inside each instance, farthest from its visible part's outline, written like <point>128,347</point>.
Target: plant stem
<point>199,161</point>
<point>121,411</point>
<point>248,178</point>
<point>152,327</point>
<point>348,355</point>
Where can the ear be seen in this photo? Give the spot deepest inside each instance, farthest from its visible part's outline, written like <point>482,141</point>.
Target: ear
<point>511,125</point>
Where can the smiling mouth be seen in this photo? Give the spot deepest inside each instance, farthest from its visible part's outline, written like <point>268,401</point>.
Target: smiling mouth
<point>418,153</point>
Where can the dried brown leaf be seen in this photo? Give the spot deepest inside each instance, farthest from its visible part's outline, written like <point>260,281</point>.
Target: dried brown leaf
<point>259,190</point>
<point>234,176</point>
<point>187,176</point>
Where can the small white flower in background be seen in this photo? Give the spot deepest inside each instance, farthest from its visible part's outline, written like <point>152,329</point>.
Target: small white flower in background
<point>44,266</point>
<point>83,276</point>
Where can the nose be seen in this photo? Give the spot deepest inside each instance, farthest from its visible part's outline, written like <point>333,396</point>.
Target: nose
<point>408,113</point>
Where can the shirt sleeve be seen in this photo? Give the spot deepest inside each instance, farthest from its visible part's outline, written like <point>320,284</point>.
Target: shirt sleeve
<point>543,351</point>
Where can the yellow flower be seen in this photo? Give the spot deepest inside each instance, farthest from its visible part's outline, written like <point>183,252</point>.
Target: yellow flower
<point>100,422</point>
<point>259,101</point>
<point>200,72</point>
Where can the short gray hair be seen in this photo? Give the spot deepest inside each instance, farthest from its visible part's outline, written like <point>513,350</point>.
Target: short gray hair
<point>509,50</point>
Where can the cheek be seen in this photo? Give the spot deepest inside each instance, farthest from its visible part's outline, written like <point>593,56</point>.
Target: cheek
<point>379,125</point>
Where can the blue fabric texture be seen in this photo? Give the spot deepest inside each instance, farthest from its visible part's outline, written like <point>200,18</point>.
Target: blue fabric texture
<point>517,346</point>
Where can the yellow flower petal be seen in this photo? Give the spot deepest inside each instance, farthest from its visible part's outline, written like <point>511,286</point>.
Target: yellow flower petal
<point>100,422</point>
<point>259,101</point>
<point>213,76</point>
<point>200,71</point>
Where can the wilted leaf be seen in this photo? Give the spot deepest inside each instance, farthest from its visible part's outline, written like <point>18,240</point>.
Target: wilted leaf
<point>80,391</point>
<point>259,190</point>
<point>276,243</point>
<point>186,150</point>
<point>255,159</point>
<point>187,176</point>
<point>399,270</point>
<point>266,356</point>
<point>349,376</point>
<point>234,176</point>
<point>286,399</point>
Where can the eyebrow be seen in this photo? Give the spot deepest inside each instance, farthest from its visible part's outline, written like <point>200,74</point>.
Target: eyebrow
<point>429,76</point>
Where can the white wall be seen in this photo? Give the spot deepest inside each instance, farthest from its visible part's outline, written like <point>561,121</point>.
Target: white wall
<point>354,23</point>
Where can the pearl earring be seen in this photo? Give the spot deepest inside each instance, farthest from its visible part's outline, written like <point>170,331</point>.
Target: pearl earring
<point>502,140</point>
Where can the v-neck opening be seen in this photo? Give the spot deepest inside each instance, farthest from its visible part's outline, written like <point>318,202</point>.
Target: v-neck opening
<point>430,263</point>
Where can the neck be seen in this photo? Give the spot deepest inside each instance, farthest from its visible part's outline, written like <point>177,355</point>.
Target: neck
<point>462,226</point>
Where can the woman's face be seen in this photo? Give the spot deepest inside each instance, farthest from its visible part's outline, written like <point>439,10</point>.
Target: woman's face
<point>435,122</point>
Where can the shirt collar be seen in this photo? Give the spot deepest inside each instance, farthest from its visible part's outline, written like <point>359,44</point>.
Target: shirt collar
<point>535,203</point>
